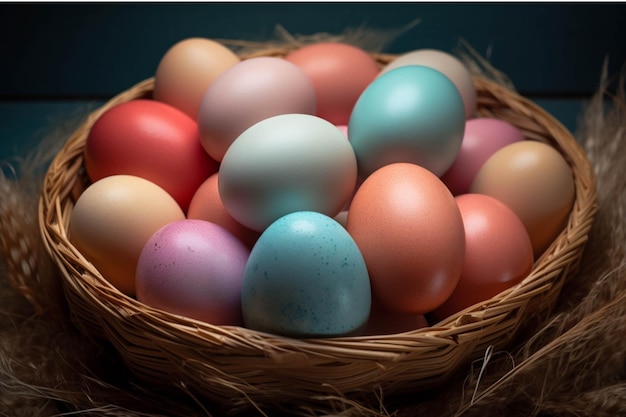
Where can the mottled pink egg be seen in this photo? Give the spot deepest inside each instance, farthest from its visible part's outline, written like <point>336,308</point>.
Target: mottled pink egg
<point>193,268</point>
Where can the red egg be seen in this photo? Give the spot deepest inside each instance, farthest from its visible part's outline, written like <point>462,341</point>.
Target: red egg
<point>151,140</point>
<point>498,252</point>
<point>339,72</point>
<point>410,232</point>
<point>206,204</point>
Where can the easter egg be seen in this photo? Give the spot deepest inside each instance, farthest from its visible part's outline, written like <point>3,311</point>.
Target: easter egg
<point>152,140</point>
<point>410,114</point>
<point>536,182</point>
<point>447,64</point>
<point>340,72</point>
<point>409,229</point>
<point>113,219</point>
<point>283,164</point>
<point>193,268</point>
<point>248,92</point>
<point>305,277</point>
<point>187,69</point>
<point>498,252</point>
<point>482,137</point>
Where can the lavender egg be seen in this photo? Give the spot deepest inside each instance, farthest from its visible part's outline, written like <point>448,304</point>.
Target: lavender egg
<point>193,268</point>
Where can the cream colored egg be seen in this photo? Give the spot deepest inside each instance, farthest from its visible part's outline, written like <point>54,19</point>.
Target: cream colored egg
<point>186,71</point>
<point>114,218</point>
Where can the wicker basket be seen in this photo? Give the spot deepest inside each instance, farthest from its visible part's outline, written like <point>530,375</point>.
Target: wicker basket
<point>237,367</point>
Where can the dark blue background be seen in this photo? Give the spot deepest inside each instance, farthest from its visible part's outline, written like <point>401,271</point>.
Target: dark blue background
<point>57,59</point>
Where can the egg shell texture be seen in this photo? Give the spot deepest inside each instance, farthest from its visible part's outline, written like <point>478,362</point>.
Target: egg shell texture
<point>193,268</point>
<point>306,277</point>
<point>409,229</point>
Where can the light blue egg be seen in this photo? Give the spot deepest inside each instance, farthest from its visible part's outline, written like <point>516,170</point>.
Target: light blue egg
<point>306,277</point>
<point>410,114</point>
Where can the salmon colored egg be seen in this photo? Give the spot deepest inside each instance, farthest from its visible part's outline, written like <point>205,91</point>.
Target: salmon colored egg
<point>206,204</point>
<point>152,140</point>
<point>536,182</point>
<point>113,219</point>
<point>498,252</point>
<point>409,229</point>
<point>340,72</point>
<point>186,71</point>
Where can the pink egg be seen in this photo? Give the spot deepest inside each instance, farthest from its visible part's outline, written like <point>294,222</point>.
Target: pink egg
<point>482,138</point>
<point>193,268</point>
<point>248,92</point>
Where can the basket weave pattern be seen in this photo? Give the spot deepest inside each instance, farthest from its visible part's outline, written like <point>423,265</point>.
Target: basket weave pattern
<point>235,365</point>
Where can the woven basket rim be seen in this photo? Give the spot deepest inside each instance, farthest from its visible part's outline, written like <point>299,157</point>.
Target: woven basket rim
<point>501,315</point>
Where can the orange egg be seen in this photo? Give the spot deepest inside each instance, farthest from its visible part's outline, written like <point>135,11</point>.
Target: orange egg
<point>498,252</point>
<point>409,229</point>
<point>206,204</point>
<point>340,72</point>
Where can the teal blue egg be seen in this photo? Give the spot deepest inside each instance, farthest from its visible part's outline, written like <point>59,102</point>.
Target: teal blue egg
<point>410,114</point>
<point>306,277</point>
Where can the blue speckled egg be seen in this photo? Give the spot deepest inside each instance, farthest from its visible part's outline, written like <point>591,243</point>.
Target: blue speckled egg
<point>306,277</point>
<point>410,114</point>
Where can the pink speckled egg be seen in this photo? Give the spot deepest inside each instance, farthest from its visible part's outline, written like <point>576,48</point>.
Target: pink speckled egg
<point>193,268</point>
